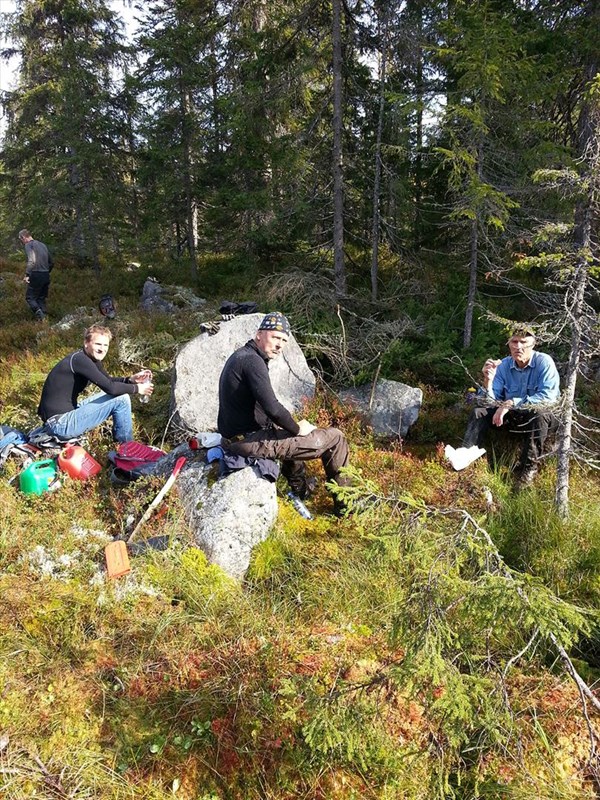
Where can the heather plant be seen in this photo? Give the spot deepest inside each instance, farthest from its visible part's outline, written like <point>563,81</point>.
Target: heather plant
<point>403,652</point>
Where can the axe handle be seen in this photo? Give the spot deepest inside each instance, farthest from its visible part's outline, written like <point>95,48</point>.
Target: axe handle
<point>157,500</point>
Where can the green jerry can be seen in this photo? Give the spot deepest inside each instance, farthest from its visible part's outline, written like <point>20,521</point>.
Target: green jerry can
<point>38,477</point>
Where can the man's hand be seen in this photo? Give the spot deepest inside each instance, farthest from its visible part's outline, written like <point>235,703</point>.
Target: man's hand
<point>306,427</point>
<point>489,371</point>
<point>144,382</point>
<point>145,389</point>
<point>498,418</point>
<point>145,376</point>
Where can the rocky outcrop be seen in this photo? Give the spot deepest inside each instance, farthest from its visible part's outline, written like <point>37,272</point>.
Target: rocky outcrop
<point>82,316</point>
<point>168,299</point>
<point>230,517</point>
<point>195,389</point>
<point>392,408</point>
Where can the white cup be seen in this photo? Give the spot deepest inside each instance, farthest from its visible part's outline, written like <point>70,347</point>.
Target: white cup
<point>145,398</point>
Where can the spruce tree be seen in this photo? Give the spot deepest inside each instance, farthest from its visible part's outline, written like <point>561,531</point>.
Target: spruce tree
<point>483,56</point>
<point>177,86</point>
<point>60,149</point>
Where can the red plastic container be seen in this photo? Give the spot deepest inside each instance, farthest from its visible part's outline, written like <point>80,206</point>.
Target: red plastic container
<point>77,463</point>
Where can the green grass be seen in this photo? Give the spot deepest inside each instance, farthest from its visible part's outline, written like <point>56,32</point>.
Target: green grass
<point>360,658</point>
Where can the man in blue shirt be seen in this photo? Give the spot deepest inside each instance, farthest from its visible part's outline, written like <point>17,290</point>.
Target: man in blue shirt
<point>519,391</point>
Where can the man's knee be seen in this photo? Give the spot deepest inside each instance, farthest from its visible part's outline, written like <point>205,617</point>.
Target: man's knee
<point>478,424</point>
<point>246,449</point>
<point>124,400</point>
<point>328,438</point>
<point>529,421</point>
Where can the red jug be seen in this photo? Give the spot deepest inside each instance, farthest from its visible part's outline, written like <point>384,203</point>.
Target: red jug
<point>77,463</point>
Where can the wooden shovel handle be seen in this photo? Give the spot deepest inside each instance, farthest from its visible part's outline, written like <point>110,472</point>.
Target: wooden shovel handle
<point>178,465</point>
<point>148,513</point>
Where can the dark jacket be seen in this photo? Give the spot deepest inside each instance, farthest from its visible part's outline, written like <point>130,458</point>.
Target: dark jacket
<point>247,401</point>
<point>68,379</point>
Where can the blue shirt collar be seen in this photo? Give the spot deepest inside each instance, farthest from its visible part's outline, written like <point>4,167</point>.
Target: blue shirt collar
<point>513,364</point>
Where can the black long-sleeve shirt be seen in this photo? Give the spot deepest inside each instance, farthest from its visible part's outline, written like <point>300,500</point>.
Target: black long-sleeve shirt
<point>247,401</point>
<point>68,379</point>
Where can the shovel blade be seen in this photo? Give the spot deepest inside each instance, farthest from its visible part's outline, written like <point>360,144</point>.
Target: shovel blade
<point>117,559</point>
<point>153,543</point>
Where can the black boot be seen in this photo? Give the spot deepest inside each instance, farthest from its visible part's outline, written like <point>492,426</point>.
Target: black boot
<point>526,477</point>
<point>303,488</point>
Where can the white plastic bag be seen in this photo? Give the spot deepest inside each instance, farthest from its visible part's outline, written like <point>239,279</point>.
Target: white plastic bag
<point>461,457</point>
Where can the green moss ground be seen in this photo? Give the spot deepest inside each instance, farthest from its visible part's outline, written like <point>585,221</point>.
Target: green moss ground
<point>384,656</point>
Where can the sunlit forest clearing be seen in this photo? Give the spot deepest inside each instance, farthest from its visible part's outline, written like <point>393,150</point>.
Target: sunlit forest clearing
<point>406,181</point>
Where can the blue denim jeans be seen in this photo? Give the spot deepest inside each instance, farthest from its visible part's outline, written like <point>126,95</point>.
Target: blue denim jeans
<point>90,413</point>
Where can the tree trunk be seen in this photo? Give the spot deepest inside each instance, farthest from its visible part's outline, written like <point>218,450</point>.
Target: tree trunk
<point>586,211</point>
<point>420,100</point>
<point>338,176</point>
<point>561,497</point>
<point>78,238</point>
<point>377,179</point>
<point>94,252</point>
<point>214,89</point>
<point>188,187</point>
<point>132,166</point>
<point>473,262</point>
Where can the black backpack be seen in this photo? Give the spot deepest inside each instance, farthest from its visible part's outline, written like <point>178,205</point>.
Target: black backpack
<point>107,306</point>
<point>231,309</point>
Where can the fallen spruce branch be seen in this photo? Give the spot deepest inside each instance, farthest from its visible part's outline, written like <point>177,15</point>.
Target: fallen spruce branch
<point>25,764</point>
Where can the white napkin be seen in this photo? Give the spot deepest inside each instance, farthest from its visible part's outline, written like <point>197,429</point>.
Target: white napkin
<point>209,439</point>
<point>461,457</point>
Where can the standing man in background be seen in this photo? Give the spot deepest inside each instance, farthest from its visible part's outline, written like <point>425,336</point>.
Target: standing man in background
<point>37,273</point>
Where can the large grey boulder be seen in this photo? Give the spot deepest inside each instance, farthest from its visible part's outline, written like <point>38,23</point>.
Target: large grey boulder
<point>394,407</point>
<point>229,518</point>
<point>168,299</point>
<point>195,388</point>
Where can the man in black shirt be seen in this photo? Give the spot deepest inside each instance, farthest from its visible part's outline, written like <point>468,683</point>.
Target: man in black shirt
<point>254,424</point>
<point>37,273</point>
<point>65,417</point>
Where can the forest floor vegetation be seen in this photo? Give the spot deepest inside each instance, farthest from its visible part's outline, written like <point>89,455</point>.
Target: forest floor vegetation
<point>403,652</point>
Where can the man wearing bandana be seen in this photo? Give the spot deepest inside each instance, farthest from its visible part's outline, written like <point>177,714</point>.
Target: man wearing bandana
<point>254,424</point>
